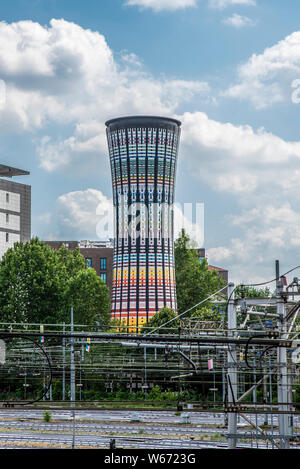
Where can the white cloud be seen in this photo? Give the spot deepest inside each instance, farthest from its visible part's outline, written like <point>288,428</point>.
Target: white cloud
<point>264,233</point>
<point>77,215</point>
<point>267,78</point>
<point>260,171</point>
<point>160,5</point>
<point>238,21</point>
<point>172,5</point>
<point>237,159</point>
<point>219,254</point>
<point>221,4</point>
<point>88,214</point>
<point>89,139</point>
<point>194,226</point>
<point>64,74</point>
<point>88,142</point>
<point>261,234</point>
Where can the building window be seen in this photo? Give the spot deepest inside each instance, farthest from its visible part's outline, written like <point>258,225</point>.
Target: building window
<point>7,237</point>
<point>7,218</point>
<point>103,263</point>
<point>7,197</point>
<point>103,276</point>
<point>88,262</point>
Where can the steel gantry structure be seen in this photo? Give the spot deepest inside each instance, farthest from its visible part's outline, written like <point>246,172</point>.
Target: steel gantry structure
<point>251,357</point>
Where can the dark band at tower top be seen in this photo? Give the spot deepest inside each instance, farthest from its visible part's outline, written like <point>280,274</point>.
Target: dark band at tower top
<point>142,121</point>
<point>143,155</point>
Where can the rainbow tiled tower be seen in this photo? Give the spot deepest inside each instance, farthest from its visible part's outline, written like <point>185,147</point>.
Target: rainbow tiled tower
<point>143,154</point>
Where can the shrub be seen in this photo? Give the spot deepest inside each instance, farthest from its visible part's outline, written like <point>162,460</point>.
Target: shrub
<point>47,416</point>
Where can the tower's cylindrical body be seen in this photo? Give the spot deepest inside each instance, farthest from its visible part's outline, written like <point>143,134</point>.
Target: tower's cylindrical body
<point>143,154</point>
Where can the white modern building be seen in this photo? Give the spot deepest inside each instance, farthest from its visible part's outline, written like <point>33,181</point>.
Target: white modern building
<point>15,209</point>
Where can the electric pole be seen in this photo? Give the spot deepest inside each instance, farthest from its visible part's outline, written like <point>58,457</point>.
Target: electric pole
<point>231,375</point>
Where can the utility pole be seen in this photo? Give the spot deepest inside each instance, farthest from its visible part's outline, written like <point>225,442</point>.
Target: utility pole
<point>72,364</point>
<point>265,394</point>
<point>282,383</point>
<point>72,378</point>
<point>224,392</point>
<point>81,361</point>
<point>231,375</point>
<point>145,372</point>
<point>44,386</point>
<point>64,361</point>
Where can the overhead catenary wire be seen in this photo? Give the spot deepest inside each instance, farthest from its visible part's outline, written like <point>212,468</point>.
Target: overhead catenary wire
<point>49,366</point>
<point>186,311</point>
<point>121,366</point>
<point>257,284</point>
<point>268,281</point>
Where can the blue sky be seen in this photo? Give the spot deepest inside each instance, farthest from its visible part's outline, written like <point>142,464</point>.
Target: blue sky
<point>225,68</point>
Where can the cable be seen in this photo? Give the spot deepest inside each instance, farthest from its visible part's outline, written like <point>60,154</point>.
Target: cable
<point>260,284</point>
<point>177,317</point>
<point>269,281</point>
<point>246,352</point>
<point>234,361</point>
<point>269,347</point>
<point>231,389</point>
<point>264,351</point>
<point>49,364</point>
<point>256,285</point>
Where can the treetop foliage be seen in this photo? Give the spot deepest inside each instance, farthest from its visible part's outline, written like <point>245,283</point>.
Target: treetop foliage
<point>194,282</point>
<point>40,284</point>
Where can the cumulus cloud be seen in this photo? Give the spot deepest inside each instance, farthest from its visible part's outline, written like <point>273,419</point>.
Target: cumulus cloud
<point>172,5</point>
<point>267,78</point>
<point>266,233</point>
<point>261,234</point>
<point>239,159</point>
<point>67,75</point>
<point>88,214</point>
<point>160,5</point>
<point>260,171</point>
<point>89,139</point>
<point>190,217</point>
<point>221,4</point>
<point>85,214</point>
<point>238,21</point>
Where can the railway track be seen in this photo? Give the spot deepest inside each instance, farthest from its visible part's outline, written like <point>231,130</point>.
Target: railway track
<point>121,442</point>
<point>95,429</point>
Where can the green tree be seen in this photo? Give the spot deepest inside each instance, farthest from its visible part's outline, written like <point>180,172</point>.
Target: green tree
<point>161,317</point>
<point>194,282</point>
<point>89,296</point>
<point>155,393</point>
<point>251,292</point>
<point>31,283</point>
<point>206,314</point>
<point>36,284</point>
<point>71,261</point>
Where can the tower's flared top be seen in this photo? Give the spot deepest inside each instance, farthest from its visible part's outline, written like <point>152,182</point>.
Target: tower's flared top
<point>143,121</point>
